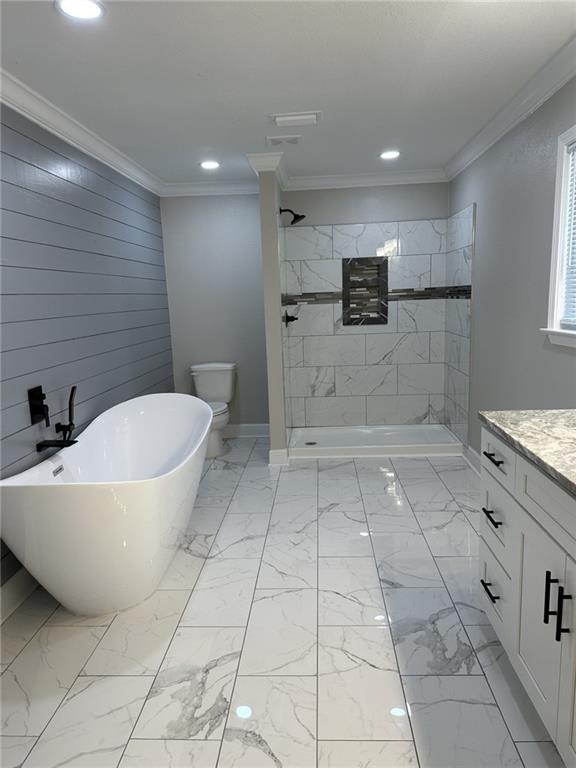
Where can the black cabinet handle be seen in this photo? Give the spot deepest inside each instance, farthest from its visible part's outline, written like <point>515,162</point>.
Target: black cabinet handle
<point>491,457</point>
<point>489,513</point>
<point>547,584</point>
<point>559,611</point>
<point>487,585</point>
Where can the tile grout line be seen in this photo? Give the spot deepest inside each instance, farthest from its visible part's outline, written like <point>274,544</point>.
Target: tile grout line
<point>452,495</point>
<point>401,483</point>
<point>41,627</point>
<point>236,674</point>
<point>226,516</point>
<point>76,678</point>
<point>375,559</point>
<point>494,697</point>
<point>177,627</point>
<point>206,559</point>
<point>445,586</point>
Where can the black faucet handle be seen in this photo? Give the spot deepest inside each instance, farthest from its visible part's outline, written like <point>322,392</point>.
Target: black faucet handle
<point>287,319</point>
<point>38,408</point>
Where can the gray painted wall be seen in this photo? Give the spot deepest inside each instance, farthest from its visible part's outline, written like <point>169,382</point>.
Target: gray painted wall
<point>83,288</point>
<point>513,364</point>
<point>400,202</point>
<point>215,288</point>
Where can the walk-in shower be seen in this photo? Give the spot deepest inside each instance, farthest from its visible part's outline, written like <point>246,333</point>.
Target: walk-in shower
<point>377,358</point>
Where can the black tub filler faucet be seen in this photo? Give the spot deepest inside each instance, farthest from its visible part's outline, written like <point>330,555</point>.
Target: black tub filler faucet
<point>65,429</point>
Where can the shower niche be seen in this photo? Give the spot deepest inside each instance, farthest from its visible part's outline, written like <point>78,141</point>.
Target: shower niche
<point>365,291</point>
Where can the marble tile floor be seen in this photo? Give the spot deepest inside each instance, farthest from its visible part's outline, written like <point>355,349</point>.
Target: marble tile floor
<point>320,615</point>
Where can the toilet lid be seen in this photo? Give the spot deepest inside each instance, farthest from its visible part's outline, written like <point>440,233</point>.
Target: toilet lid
<point>218,408</point>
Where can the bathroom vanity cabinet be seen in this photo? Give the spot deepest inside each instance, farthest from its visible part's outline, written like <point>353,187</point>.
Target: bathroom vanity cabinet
<point>528,566</point>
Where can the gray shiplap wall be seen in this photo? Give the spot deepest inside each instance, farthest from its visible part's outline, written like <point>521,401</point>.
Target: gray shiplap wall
<point>83,291</point>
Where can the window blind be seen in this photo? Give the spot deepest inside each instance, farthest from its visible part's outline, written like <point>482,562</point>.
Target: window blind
<point>568,309</point>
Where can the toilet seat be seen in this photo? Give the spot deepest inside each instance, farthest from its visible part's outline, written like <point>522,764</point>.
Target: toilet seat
<point>218,408</point>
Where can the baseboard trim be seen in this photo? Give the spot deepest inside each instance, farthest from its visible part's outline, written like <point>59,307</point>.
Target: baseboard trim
<point>473,458</point>
<point>278,457</point>
<point>246,430</point>
<point>15,591</point>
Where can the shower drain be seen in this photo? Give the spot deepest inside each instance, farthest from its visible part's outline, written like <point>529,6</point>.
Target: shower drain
<point>311,442</point>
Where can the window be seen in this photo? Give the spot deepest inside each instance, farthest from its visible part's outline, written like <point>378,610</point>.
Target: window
<point>562,307</point>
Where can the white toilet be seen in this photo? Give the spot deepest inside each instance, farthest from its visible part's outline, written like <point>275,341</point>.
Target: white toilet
<point>214,383</point>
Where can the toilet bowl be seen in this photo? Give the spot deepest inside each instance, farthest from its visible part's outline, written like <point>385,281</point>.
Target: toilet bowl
<point>214,383</point>
<point>220,417</point>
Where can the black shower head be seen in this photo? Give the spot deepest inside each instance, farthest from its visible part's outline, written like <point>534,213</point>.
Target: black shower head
<point>296,217</point>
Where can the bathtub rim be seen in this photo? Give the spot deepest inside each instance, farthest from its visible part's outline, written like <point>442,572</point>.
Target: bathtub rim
<point>5,482</point>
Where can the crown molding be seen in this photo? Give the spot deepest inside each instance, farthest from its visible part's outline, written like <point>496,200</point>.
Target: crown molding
<point>262,162</point>
<point>553,75</point>
<point>300,183</point>
<point>204,188</point>
<point>31,104</point>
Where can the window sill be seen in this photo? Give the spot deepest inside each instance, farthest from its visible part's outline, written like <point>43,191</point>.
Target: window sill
<point>561,336</point>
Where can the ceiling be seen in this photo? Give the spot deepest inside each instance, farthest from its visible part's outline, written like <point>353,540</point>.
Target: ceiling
<point>171,83</point>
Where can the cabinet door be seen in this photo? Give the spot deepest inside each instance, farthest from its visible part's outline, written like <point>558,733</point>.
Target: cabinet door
<point>536,654</point>
<point>566,736</point>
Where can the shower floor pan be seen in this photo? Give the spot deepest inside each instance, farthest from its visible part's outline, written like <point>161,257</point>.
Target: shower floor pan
<point>351,442</point>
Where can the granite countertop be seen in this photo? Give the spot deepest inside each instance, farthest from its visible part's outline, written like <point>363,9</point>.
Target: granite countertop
<point>547,438</point>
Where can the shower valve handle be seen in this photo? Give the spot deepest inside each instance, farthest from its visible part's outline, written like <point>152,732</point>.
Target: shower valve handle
<point>288,319</point>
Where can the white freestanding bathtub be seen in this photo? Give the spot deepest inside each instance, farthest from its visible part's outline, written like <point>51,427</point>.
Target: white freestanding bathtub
<point>98,523</point>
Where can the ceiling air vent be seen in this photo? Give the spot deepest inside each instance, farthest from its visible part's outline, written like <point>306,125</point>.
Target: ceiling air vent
<point>287,119</point>
<point>276,141</point>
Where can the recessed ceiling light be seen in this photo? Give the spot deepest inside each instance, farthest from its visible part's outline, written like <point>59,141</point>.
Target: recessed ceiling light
<point>85,10</point>
<point>390,154</point>
<point>209,165</point>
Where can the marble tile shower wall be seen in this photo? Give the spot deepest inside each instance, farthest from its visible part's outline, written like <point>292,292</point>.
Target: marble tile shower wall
<point>338,375</point>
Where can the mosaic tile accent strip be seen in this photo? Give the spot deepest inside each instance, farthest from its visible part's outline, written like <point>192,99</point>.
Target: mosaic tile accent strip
<point>400,294</point>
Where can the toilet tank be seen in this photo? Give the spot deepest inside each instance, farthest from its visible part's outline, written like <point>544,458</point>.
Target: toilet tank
<point>214,382</point>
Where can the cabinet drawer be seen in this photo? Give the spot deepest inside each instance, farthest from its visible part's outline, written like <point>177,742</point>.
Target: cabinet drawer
<point>498,511</point>
<point>544,499</point>
<point>499,460</point>
<point>496,593</point>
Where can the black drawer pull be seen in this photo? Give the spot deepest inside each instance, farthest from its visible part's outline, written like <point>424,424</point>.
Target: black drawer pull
<point>491,457</point>
<point>489,513</point>
<point>487,585</point>
<point>559,611</point>
<point>547,584</point>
